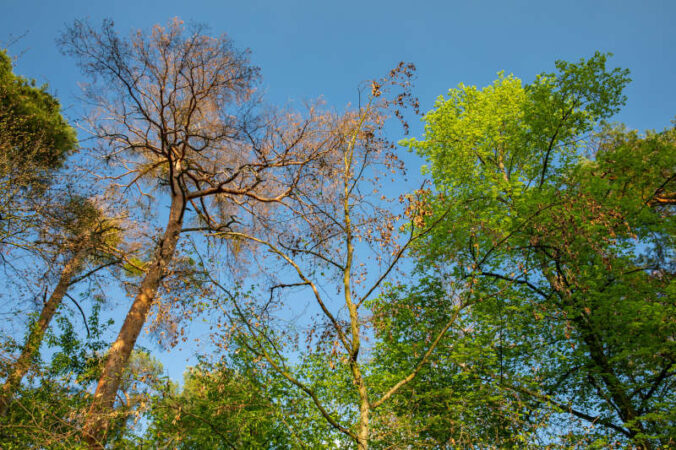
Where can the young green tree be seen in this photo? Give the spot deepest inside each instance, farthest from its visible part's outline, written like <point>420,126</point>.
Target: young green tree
<point>179,118</point>
<point>577,228</point>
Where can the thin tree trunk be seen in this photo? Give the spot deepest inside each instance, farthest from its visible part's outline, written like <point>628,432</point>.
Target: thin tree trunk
<point>357,377</point>
<point>100,413</point>
<point>364,410</point>
<point>38,329</point>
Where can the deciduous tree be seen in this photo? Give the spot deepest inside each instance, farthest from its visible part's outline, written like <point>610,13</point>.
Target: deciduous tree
<point>172,110</point>
<point>577,227</point>
<point>334,220</point>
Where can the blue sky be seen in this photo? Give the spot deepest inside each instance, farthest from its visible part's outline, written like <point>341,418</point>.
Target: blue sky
<point>309,49</point>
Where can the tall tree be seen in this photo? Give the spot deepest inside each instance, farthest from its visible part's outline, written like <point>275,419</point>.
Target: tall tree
<point>335,220</point>
<point>179,118</point>
<point>579,231</point>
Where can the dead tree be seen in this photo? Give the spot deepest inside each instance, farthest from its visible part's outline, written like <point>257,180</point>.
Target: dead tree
<point>338,217</point>
<point>176,111</point>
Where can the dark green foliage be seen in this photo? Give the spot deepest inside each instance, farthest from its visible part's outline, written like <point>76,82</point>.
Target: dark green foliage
<point>34,135</point>
<point>456,400</point>
<point>35,140</point>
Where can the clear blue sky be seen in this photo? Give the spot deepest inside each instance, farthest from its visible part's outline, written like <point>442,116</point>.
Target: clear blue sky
<point>312,48</point>
<point>308,49</point>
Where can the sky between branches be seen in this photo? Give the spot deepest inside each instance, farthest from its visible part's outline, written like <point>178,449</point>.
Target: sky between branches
<point>307,49</point>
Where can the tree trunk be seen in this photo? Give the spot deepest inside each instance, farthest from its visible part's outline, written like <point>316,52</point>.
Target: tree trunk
<point>363,436</point>
<point>100,413</point>
<point>38,329</point>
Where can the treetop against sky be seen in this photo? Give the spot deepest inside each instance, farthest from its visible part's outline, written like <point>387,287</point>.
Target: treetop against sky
<point>252,166</point>
<point>308,49</point>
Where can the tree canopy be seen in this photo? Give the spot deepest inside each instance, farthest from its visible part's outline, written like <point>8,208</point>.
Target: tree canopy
<point>522,297</point>
<point>566,217</point>
<point>35,140</point>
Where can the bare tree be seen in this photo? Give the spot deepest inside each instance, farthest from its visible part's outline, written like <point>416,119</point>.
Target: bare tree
<point>336,219</point>
<point>173,110</point>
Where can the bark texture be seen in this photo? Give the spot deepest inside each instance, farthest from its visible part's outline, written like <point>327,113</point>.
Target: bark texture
<point>99,415</point>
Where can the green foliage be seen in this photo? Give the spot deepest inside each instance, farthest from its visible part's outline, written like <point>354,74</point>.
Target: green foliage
<point>49,406</point>
<point>135,267</point>
<point>218,407</point>
<point>35,136</point>
<point>571,224</point>
<point>554,254</point>
<point>454,401</point>
<point>35,140</point>
<point>75,358</point>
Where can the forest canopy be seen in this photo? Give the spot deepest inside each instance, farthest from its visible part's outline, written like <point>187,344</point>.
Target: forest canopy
<point>522,296</point>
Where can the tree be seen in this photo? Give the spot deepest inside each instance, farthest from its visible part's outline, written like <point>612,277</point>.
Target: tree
<point>35,140</point>
<point>180,119</point>
<point>77,231</point>
<point>334,220</point>
<point>47,410</point>
<point>451,403</point>
<point>579,232</point>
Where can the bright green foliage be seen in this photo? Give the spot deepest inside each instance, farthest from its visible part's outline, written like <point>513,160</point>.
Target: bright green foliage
<point>571,234</point>
<point>507,136</point>
<point>327,374</point>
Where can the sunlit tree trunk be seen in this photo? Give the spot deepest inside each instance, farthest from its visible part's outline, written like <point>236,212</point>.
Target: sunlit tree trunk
<point>357,377</point>
<point>98,417</point>
<point>38,329</point>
